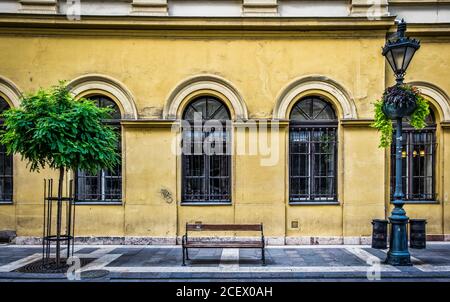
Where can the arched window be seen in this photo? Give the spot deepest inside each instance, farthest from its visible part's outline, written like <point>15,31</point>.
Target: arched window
<point>419,156</point>
<point>105,186</point>
<point>6,164</point>
<point>206,159</point>
<point>312,151</point>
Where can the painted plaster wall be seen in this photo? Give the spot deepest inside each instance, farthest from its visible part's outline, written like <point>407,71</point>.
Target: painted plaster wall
<point>259,68</point>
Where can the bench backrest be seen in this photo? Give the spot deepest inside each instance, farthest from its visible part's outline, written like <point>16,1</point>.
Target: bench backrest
<point>224,227</point>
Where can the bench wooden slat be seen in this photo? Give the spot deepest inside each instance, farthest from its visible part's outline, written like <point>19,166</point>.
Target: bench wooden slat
<point>223,227</point>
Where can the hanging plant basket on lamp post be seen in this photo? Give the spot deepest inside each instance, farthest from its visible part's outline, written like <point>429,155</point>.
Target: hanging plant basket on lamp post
<point>391,107</point>
<point>399,101</point>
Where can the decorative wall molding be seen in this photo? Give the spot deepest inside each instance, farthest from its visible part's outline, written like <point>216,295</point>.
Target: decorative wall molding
<point>260,8</point>
<point>149,8</point>
<point>369,8</point>
<point>38,6</point>
<point>204,82</point>
<point>314,83</point>
<point>10,91</point>
<point>96,82</point>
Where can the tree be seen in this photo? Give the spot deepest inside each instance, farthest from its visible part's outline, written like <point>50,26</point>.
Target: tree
<point>51,128</point>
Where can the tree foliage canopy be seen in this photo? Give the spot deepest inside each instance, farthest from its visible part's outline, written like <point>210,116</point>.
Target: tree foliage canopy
<point>52,128</point>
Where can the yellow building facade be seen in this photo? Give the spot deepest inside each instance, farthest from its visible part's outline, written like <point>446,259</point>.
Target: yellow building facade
<point>152,67</point>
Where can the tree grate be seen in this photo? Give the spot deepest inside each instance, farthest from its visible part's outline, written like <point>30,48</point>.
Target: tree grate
<point>38,266</point>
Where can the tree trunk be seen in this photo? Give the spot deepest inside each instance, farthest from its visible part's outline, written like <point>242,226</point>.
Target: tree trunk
<point>58,216</point>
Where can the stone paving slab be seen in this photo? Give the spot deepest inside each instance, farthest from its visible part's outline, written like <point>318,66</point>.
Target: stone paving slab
<point>301,257</point>
<point>283,263</point>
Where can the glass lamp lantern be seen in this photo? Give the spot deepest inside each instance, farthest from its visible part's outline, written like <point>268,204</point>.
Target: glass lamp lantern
<point>399,51</point>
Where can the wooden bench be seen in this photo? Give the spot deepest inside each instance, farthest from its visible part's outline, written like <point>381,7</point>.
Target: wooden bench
<point>206,243</point>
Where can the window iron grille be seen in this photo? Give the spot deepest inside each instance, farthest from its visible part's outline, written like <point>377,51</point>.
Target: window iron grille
<point>206,160</point>
<point>419,161</point>
<point>313,145</point>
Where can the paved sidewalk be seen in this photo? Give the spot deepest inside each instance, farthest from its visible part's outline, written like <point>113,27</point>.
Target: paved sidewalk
<point>284,263</point>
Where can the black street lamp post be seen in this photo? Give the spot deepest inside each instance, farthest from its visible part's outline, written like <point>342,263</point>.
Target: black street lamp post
<point>399,52</point>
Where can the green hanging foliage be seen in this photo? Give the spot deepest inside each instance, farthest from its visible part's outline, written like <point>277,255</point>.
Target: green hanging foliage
<point>420,114</point>
<point>417,119</point>
<point>383,124</point>
<point>52,128</point>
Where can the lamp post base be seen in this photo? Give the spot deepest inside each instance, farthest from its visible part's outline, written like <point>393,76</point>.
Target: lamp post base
<point>398,259</point>
<point>398,254</point>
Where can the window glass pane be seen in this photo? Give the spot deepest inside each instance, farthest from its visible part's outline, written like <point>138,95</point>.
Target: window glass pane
<point>2,160</point>
<point>299,188</point>
<point>220,114</point>
<point>194,189</point>
<point>298,115</point>
<point>7,187</point>
<point>212,108</point>
<point>218,165</point>
<point>311,109</point>
<point>302,110</point>
<point>317,108</point>
<point>91,190</point>
<point>191,114</point>
<point>326,114</point>
<point>195,165</point>
<point>323,188</point>
<point>112,188</point>
<point>218,189</point>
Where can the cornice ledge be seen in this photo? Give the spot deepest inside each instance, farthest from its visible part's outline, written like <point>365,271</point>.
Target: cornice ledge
<point>196,23</point>
<point>356,122</point>
<point>268,121</point>
<point>417,2</point>
<point>149,123</point>
<point>445,124</point>
<point>426,29</point>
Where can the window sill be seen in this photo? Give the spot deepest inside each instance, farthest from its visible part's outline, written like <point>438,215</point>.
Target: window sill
<point>420,202</point>
<point>200,203</point>
<point>98,203</point>
<point>314,203</point>
<point>6,202</point>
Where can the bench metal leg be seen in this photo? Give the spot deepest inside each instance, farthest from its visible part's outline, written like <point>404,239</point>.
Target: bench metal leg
<point>184,255</point>
<point>263,257</point>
